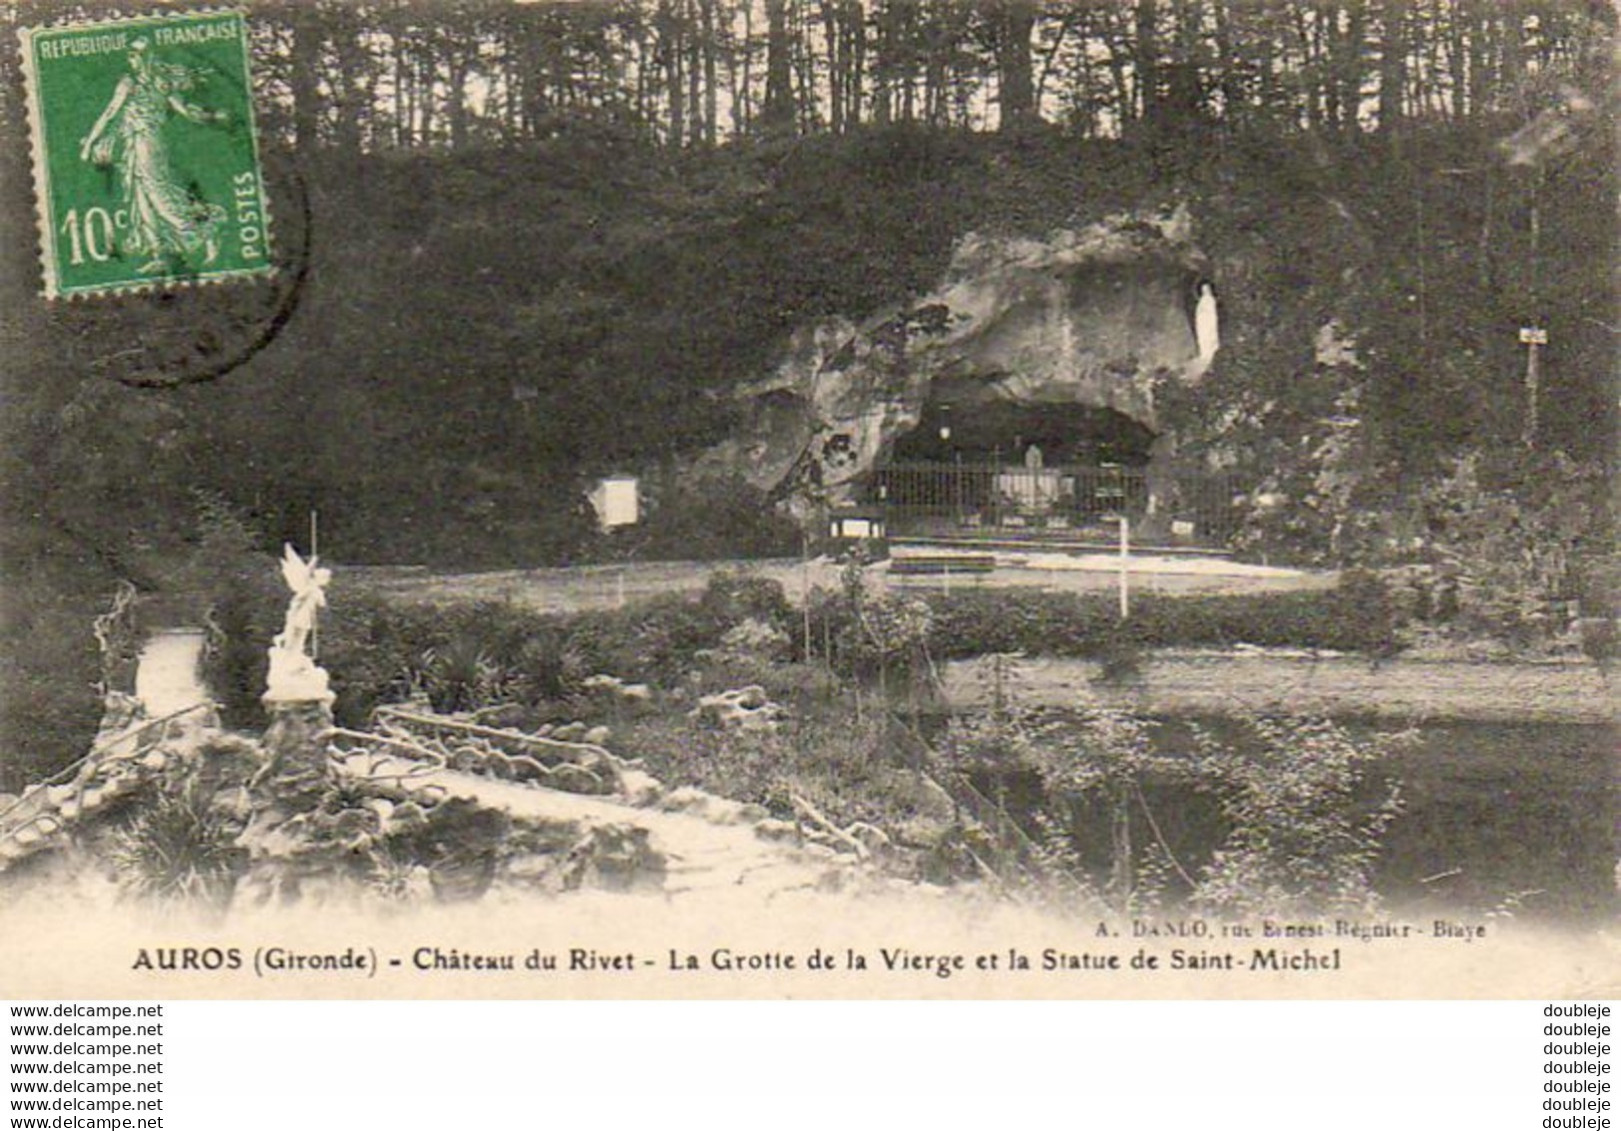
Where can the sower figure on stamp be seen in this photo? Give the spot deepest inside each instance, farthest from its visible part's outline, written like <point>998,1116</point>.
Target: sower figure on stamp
<point>164,219</point>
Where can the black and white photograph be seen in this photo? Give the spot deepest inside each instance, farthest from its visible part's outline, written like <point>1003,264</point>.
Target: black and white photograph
<point>809,498</point>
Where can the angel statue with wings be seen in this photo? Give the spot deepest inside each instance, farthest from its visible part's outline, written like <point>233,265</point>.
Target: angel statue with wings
<point>294,674</point>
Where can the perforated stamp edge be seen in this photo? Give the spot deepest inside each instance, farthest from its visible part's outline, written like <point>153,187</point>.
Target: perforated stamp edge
<point>45,235</point>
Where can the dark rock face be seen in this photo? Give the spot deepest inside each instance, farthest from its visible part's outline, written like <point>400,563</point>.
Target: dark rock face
<point>1092,318</point>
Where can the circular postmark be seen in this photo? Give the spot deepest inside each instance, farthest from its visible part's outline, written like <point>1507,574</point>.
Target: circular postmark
<point>177,334</point>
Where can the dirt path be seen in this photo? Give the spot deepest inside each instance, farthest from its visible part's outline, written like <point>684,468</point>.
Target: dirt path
<point>168,675</point>
<point>1189,683</point>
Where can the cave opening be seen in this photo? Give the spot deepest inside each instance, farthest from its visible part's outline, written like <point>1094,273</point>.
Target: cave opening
<point>1003,432</point>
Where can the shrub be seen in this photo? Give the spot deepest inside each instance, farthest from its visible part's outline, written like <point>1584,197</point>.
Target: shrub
<point>237,587</point>
<point>1303,837</point>
<point>463,675</point>
<point>244,615</point>
<point>372,648</point>
<point>48,704</point>
<point>179,847</point>
<point>1280,817</point>
<point>1365,604</point>
<point>752,767</point>
<point>844,766</point>
<point>732,596</point>
<point>870,635</point>
<point>713,520</point>
<point>1103,762</point>
<point>1357,617</point>
<point>549,669</point>
<point>468,656</point>
<point>1525,547</point>
<point>1120,660</point>
<point>49,661</point>
<point>657,640</point>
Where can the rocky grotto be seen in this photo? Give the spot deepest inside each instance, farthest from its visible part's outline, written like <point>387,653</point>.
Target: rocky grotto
<point>1077,327</point>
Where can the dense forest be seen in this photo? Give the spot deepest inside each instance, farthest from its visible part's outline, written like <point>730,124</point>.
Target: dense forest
<point>367,76</point>
<point>526,244</point>
<point>530,239</point>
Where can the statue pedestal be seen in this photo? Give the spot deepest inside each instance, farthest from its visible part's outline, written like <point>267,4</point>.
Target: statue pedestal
<point>296,678</point>
<point>296,741</point>
<point>287,835</point>
<point>285,799</point>
<point>299,702</point>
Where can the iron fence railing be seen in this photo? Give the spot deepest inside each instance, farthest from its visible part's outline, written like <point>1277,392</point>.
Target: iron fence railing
<point>1199,508</point>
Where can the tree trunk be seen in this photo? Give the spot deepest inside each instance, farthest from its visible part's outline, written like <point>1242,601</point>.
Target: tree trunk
<point>354,90</point>
<point>1015,22</point>
<point>884,64</point>
<point>426,75</point>
<point>457,106</point>
<point>1308,30</point>
<point>934,85</point>
<point>743,78</point>
<point>1122,88</point>
<point>669,25</point>
<point>1146,59</point>
<point>804,78</point>
<point>1328,49</point>
<point>1481,41</point>
<point>1392,64</point>
<point>695,97</point>
<point>403,108</point>
<point>855,23</point>
<point>1231,86</point>
<point>706,10</point>
<point>1049,60</point>
<point>511,87</point>
<point>305,80</point>
<point>1350,67</point>
<point>778,111</point>
<point>835,65</point>
<point>1457,64</point>
<point>908,107</point>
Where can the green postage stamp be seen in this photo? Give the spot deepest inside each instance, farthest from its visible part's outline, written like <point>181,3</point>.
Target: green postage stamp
<point>146,164</point>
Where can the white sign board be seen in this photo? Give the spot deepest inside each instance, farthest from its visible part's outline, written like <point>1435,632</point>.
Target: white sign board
<point>616,501</point>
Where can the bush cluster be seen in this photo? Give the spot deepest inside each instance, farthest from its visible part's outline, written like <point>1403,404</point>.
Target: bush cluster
<point>463,657</point>
<point>1358,616</point>
<point>706,521</point>
<point>1525,550</point>
<point>865,635</point>
<point>1280,816</point>
<point>468,656</point>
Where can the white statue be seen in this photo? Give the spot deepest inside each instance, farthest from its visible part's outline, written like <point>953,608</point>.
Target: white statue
<point>294,674</point>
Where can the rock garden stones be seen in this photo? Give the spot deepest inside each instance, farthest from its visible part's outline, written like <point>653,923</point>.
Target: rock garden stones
<point>745,709</point>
